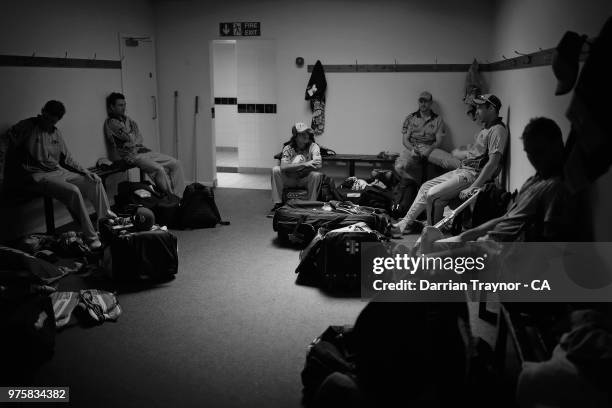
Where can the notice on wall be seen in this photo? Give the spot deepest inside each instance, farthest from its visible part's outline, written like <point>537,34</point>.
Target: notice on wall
<point>240,29</point>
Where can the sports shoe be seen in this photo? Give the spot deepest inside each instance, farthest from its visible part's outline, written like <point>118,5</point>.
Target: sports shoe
<point>93,243</point>
<point>405,227</point>
<point>273,210</point>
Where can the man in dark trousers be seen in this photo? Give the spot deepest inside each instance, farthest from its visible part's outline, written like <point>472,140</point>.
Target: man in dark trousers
<point>46,166</point>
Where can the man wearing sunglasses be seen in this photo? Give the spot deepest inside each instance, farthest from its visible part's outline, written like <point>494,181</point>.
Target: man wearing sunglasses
<point>479,164</point>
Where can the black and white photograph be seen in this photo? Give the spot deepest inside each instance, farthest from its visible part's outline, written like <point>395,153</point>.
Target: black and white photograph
<point>306,203</point>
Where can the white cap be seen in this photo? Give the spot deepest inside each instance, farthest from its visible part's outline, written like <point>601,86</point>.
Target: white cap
<point>301,127</point>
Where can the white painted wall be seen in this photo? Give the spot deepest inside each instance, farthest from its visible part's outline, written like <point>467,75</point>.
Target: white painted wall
<point>50,29</point>
<point>365,111</point>
<point>524,26</point>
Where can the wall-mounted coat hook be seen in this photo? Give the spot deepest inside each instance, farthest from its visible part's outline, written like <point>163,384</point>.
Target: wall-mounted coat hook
<point>528,57</point>
<point>66,55</point>
<point>95,55</point>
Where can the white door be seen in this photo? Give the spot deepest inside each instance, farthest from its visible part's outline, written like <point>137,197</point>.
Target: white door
<point>139,83</point>
<point>256,89</point>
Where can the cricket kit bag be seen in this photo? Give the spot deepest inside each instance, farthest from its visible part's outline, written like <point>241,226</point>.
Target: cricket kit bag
<point>298,221</point>
<point>134,255</point>
<point>332,261</point>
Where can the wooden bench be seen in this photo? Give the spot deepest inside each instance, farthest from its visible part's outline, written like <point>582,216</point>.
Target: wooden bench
<point>351,159</point>
<point>18,198</point>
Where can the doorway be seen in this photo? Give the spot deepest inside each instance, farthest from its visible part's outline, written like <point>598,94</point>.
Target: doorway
<point>244,123</point>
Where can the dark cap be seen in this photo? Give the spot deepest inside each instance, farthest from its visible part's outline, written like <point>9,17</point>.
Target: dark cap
<point>565,62</point>
<point>143,219</point>
<point>490,99</point>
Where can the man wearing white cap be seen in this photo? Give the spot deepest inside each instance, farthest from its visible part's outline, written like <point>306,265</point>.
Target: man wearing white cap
<point>301,157</point>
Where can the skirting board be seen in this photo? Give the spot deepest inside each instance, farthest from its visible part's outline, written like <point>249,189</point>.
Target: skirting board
<point>227,169</point>
<point>226,149</point>
<point>209,183</point>
<point>254,170</point>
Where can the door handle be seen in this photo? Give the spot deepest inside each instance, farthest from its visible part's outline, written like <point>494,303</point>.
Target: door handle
<point>154,101</point>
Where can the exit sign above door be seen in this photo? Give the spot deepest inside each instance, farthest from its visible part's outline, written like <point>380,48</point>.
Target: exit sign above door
<point>240,29</point>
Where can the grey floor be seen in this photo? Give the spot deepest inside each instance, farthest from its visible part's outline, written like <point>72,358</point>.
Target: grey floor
<point>230,331</point>
<point>244,181</point>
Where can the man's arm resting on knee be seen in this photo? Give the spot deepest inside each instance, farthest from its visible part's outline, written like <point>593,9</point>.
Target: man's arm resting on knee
<point>299,167</point>
<point>461,152</point>
<point>406,141</point>
<point>441,132</point>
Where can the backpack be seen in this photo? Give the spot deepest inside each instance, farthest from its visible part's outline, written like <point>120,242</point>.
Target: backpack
<point>198,208</point>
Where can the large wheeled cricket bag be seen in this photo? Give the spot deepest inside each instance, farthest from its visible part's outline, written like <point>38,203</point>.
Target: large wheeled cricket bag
<point>132,255</point>
<point>297,221</point>
<point>332,261</point>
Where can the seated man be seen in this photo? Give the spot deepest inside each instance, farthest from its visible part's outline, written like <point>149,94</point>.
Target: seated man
<point>423,132</point>
<point>478,164</point>
<point>122,132</point>
<point>541,209</point>
<point>300,158</point>
<point>45,166</point>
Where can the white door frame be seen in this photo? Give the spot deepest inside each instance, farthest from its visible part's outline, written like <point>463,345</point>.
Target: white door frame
<point>121,37</point>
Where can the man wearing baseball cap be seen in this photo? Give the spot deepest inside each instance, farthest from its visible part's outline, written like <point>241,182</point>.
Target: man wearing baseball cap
<point>479,164</point>
<point>300,159</point>
<point>422,134</point>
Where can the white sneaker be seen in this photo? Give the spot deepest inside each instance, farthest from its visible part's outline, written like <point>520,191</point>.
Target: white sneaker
<point>401,225</point>
<point>94,244</point>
